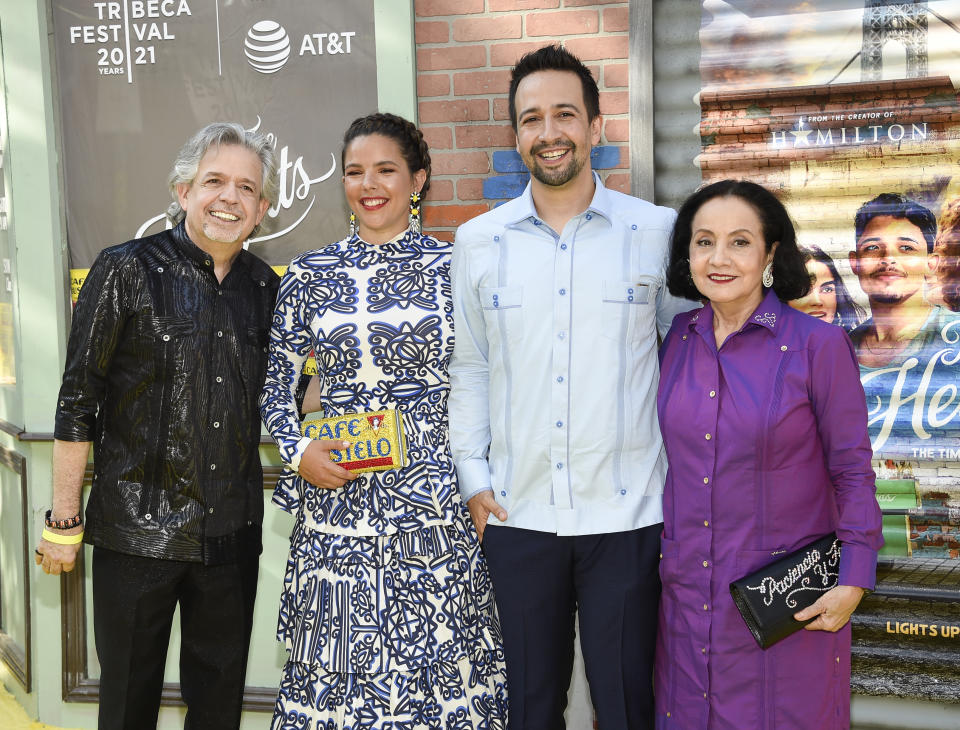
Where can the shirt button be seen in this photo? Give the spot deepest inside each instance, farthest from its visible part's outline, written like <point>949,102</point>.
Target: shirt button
<point>559,465</point>
<point>559,424</point>
<point>166,338</point>
<point>713,394</point>
<point>148,516</point>
<point>589,216</point>
<point>219,379</point>
<point>62,403</point>
<point>562,292</point>
<point>503,493</point>
<point>216,424</point>
<point>219,333</point>
<point>623,491</point>
<point>706,564</point>
<point>559,380</point>
<point>630,298</point>
<point>706,607</point>
<point>213,467</point>
<point>561,335</point>
<point>706,524</point>
<point>633,227</point>
<point>536,222</point>
<point>684,337</point>
<point>496,238</point>
<point>159,269</point>
<point>703,650</point>
<point>783,348</point>
<point>220,292</point>
<point>263,283</point>
<point>704,694</point>
<point>706,480</point>
<point>708,437</point>
<point>210,510</point>
<point>208,262</point>
<point>563,247</point>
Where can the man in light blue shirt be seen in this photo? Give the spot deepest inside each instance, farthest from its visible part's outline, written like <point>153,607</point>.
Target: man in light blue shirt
<point>558,299</point>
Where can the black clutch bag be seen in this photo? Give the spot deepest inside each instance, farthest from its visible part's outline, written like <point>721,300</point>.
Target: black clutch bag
<point>768,598</point>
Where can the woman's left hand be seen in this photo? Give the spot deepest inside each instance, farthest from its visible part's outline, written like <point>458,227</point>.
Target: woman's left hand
<point>832,610</point>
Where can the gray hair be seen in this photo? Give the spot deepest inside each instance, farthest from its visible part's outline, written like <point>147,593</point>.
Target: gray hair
<point>188,161</point>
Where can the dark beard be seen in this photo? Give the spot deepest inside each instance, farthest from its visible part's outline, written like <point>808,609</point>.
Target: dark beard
<point>561,176</point>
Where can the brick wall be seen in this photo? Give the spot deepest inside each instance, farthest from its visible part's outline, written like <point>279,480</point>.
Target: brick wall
<point>465,50</point>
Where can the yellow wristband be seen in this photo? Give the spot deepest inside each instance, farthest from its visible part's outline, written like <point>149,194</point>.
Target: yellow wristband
<point>62,539</point>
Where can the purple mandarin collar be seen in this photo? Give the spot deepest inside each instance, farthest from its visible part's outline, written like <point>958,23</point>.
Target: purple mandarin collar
<point>766,315</point>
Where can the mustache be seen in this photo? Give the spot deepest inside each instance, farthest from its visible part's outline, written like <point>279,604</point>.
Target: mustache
<point>538,148</point>
<point>886,270</point>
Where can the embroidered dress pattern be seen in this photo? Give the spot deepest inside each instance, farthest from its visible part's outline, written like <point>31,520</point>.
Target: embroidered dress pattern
<point>387,610</point>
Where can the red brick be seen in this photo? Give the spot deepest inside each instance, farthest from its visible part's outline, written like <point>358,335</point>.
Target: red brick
<point>470,188</point>
<point>617,130</point>
<point>460,163</point>
<point>451,215</point>
<point>437,59</point>
<point>443,235</point>
<point>615,19</point>
<point>507,54</point>
<point>594,71</point>
<point>487,29</point>
<point>433,85</point>
<point>440,190</point>
<point>496,5</point>
<point>563,22</point>
<point>616,74</point>
<point>459,110</point>
<point>501,109</point>
<point>438,138</point>
<point>614,102</point>
<point>593,49</point>
<point>624,156</point>
<point>447,7</point>
<point>437,31</point>
<point>581,3</point>
<point>483,136</point>
<point>473,83</point>
<point>618,181</point>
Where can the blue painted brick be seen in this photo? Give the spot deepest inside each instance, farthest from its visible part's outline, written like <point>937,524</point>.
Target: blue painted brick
<point>508,161</point>
<point>604,157</point>
<point>504,186</point>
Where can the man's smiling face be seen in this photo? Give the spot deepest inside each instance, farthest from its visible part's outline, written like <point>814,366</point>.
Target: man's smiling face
<point>554,136</point>
<point>223,203</point>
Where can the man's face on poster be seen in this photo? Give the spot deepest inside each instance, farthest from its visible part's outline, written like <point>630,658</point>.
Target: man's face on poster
<point>891,260</point>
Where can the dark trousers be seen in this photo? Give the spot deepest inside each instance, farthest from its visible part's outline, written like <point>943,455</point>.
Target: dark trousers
<point>541,581</point>
<point>133,603</point>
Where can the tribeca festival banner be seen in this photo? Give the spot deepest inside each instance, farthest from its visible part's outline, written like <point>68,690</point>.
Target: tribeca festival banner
<point>138,77</point>
<point>832,103</point>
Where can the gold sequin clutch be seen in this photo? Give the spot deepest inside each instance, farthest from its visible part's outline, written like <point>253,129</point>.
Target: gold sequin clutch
<point>376,439</point>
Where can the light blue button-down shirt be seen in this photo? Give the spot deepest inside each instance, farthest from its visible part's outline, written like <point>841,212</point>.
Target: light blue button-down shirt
<point>554,370</point>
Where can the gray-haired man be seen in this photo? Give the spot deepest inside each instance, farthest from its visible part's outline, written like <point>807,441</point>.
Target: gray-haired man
<point>165,363</point>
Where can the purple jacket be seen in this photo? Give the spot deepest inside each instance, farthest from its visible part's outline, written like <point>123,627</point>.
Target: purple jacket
<point>768,449</point>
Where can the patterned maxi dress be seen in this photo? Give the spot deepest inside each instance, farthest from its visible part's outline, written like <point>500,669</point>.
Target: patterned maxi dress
<point>386,611</point>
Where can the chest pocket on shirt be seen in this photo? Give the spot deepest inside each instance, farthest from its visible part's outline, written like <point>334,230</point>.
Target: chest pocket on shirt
<point>503,311</point>
<point>629,307</point>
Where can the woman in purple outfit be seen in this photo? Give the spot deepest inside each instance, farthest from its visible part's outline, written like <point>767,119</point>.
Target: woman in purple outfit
<point>765,426</point>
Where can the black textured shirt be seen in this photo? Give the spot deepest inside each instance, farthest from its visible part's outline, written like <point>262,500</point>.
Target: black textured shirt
<point>164,368</point>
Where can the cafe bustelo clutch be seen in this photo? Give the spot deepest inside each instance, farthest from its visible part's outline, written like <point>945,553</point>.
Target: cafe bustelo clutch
<point>376,439</point>
<point>768,598</point>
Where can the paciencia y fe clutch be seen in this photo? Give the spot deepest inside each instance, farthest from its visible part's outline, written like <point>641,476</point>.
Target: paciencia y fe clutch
<point>768,598</point>
<point>376,439</point>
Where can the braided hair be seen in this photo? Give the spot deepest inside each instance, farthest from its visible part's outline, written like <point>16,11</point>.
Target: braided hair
<point>412,145</point>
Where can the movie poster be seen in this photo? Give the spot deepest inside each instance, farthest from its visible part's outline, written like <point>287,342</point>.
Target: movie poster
<point>136,78</point>
<point>848,110</point>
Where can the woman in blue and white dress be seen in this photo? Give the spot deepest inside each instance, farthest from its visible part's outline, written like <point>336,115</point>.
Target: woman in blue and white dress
<point>387,612</point>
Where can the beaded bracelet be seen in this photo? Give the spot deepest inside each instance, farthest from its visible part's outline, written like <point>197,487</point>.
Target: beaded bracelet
<point>62,539</point>
<point>67,524</point>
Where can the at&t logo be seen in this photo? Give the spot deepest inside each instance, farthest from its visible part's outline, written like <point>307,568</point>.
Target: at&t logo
<point>267,46</point>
